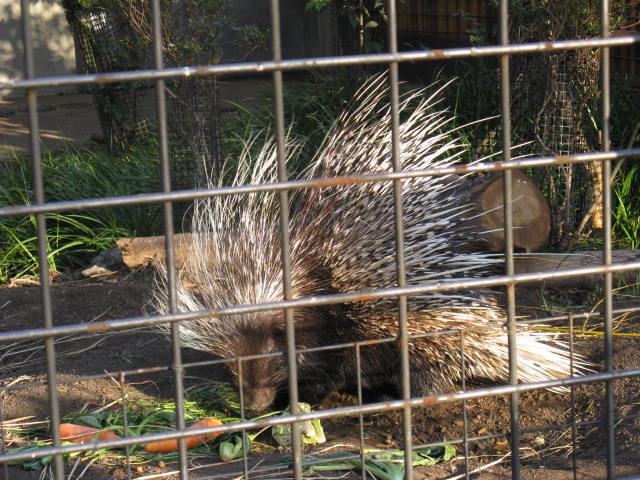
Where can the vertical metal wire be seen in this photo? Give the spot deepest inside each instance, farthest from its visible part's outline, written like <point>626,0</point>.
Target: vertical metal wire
<point>245,460</point>
<point>363,471</point>
<point>125,422</point>
<point>41,229</point>
<point>392,39</point>
<point>283,197</point>
<point>165,179</point>
<point>505,90</point>
<point>606,254</point>
<point>3,437</point>
<point>572,399</point>
<point>465,417</point>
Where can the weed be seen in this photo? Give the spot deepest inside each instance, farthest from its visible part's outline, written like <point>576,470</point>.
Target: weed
<point>626,209</point>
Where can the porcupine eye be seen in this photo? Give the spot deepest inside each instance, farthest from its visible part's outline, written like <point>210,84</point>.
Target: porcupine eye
<point>262,377</point>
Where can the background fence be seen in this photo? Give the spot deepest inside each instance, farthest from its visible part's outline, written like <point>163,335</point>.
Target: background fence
<point>505,54</point>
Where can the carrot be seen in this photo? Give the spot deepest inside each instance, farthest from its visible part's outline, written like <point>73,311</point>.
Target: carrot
<point>162,446</point>
<point>81,434</point>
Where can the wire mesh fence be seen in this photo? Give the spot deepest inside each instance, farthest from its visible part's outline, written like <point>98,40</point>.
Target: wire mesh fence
<point>118,39</point>
<point>372,426</point>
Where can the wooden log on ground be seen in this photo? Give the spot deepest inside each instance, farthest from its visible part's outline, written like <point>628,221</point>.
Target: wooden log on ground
<point>531,212</point>
<point>137,252</point>
<point>549,262</point>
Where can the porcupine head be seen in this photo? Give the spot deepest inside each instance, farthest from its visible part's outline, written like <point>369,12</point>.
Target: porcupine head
<point>342,239</point>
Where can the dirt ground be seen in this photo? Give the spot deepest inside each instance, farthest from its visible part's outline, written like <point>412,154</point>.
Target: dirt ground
<point>82,362</point>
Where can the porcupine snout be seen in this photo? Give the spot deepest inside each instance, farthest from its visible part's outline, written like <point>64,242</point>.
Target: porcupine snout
<point>261,371</point>
<point>258,394</point>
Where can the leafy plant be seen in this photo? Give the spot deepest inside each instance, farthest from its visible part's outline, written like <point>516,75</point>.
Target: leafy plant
<point>626,210</point>
<point>149,415</point>
<point>366,17</point>
<point>381,464</point>
<point>74,237</point>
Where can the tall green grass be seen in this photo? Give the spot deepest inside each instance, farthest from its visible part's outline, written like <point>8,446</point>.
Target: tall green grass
<point>73,238</point>
<point>626,209</point>
<point>625,117</point>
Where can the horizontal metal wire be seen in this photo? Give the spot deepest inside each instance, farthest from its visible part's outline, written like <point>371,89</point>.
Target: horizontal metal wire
<point>578,316</point>
<point>359,296</point>
<point>368,408</point>
<point>542,321</point>
<point>320,62</point>
<point>182,195</point>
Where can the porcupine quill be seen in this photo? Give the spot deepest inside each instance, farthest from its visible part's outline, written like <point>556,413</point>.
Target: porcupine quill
<point>343,240</point>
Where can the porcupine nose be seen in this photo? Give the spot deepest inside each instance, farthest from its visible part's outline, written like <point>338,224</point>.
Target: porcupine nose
<point>258,399</point>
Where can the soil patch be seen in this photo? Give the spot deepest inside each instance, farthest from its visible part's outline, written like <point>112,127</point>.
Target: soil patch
<point>548,441</point>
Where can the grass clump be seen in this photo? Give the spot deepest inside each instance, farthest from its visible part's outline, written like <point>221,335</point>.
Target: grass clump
<point>626,210</point>
<point>73,238</point>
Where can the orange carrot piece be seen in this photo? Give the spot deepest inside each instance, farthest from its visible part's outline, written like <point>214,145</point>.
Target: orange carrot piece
<point>162,446</point>
<point>81,434</point>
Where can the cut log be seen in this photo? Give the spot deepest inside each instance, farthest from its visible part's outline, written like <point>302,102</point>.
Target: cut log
<point>549,262</point>
<point>531,212</point>
<point>143,251</point>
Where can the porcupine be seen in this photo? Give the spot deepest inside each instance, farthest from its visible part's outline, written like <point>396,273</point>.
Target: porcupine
<point>342,239</point>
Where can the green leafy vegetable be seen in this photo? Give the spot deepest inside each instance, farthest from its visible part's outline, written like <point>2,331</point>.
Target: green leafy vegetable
<point>231,448</point>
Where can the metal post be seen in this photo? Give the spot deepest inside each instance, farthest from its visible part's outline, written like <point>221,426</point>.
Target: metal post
<point>607,247</point>
<point>396,157</point>
<point>165,180</point>
<point>278,89</point>
<point>41,228</point>
<point>505,91</point>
